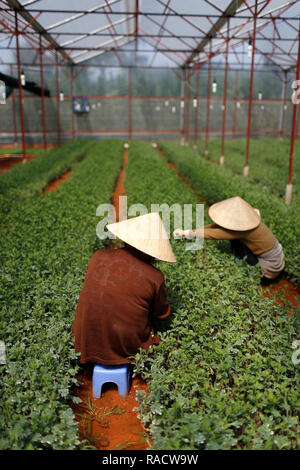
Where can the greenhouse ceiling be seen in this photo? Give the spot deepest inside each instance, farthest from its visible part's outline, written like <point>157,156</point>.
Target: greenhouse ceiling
<point>153,33</point>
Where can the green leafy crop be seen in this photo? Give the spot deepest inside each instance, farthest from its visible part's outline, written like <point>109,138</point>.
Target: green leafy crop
<point>28,179</point>
<point>222,376</point>
<point>269,162</point>
<point>44,253</point>
<point>214,183</point>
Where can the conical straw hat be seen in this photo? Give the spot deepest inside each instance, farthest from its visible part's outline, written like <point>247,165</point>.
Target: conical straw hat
<point>147,234</point>
<point>234,214</point>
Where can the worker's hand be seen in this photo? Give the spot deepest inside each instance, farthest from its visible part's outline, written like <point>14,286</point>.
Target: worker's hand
<point>181,233</point>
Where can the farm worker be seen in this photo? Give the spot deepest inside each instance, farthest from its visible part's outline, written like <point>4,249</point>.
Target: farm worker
<point>237,221</point>
<point>122,293</point>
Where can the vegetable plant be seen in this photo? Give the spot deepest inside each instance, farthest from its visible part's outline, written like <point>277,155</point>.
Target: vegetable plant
<point>44,255</point>
<point>222,376</point>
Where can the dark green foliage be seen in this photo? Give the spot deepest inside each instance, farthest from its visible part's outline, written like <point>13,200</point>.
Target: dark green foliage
<point>29,179</point>
<point>44,255</point>
<point>269,162</point>
<point>214,183</point>
<point>222,376</point>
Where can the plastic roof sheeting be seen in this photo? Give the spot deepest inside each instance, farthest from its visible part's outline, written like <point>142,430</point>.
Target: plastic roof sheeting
<point>171,33</point>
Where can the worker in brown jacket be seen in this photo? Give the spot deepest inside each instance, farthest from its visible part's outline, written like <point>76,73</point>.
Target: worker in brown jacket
<point>237,221</point>
<point>122,293</point>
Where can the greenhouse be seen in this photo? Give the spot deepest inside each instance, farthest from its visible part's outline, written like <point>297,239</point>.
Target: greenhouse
<point>150,225</point>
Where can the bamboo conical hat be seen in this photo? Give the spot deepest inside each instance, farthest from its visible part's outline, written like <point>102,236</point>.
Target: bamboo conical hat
<point>147,234</point>
<point>234,214</point>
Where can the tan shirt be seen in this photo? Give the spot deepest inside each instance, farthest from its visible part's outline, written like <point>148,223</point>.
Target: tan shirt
<point>258,240</point>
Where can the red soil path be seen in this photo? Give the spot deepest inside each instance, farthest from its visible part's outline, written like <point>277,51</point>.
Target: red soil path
<point>52,185</point>
<point>8,160</point>
<point>114,424</point>
<point>121,429</point>
<point>283,289</point>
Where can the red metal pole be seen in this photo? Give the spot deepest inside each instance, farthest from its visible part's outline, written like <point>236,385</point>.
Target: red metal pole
<point>246,169</point>
<point>43,95</point>
<point>130,104</point>
<point>298,124</point>
<point>58,103</point>
<point>225,99</point>
<point>283,107</point>
<point>20,86</point>
<point>288,193</point>
<point>14,112</point>
<point>208,100</point>
<point>136,29</point>
<point>188,106</point>
<point>182,110</point>
<point>235,103</point>
<point>72,93</point>
<point>196,108</point>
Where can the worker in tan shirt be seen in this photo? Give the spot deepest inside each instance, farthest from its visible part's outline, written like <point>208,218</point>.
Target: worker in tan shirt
<point>237,221</point>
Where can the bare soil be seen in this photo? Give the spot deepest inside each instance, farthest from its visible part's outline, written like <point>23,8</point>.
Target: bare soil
<point>8,160</point>
<point>53,185</point>
<point>110,422</point>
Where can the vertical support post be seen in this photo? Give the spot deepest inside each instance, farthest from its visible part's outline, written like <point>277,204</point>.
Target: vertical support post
<point>182,109</point>
<point>72,100</point>
<point>130,104</point>
<point>225,98</point>
<point>208,101</point>
<point>43,94</point>
<point>20,86</point>
<point>288,193</point>
<point>246,169</point>
<point>298,124</point>
<point>188,110</point>
<point>58,102</point>
<point>196,109</point>
<point>283,106</point>
<point>236,87</point>
<point>14,113</point>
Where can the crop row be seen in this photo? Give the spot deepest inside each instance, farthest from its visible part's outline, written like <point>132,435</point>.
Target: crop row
<point>29,179</point>
<point>222,376</point>
<point>269,162</point>
<point>44,255</point>
<point>214,183</point>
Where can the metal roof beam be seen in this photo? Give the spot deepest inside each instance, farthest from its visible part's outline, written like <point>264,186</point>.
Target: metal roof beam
<point>96,54</point>
<point>95,31</point>
<point>230,11</point>
<point>17,6</point>
<point>153,13</point>
<point>95,48</point>
<point>81,14</point>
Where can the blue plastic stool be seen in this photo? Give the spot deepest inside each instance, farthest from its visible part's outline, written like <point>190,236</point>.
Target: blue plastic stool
<point>119,375</point>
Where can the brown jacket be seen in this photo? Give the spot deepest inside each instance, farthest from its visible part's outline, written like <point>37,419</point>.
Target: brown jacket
<point>258,240</point>
<point>119,295</point>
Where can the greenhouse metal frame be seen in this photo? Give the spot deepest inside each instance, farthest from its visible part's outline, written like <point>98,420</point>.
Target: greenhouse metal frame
<point>188,38</point>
